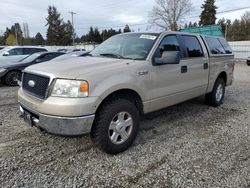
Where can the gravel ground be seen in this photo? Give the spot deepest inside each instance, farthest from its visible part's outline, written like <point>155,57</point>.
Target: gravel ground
<point>187,145</point>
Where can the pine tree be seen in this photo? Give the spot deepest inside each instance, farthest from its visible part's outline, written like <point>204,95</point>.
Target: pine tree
<point>55,27</point>
<point>67,35</point>
<point>208,14</point>
<point>39,40</point>
<point>126,29</point>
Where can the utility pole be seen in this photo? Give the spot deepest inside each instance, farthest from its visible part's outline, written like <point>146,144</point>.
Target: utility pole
<point>226,32</point>
<point>16,35</point>
<point>72,22</point>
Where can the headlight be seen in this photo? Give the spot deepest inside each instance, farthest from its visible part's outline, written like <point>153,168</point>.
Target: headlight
<point>70,88</point>
<point>2,70</point>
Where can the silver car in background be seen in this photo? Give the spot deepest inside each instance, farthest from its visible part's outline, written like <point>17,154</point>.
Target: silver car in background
<point>16,53</point>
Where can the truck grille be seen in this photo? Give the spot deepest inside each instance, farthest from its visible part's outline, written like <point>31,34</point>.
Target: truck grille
<point>35,85</point>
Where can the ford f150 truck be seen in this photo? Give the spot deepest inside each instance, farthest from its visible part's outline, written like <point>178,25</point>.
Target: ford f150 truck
<point>106,91</point>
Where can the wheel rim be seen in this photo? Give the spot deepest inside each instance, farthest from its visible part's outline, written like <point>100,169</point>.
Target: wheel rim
<point>14,78</point>
<point>120,128</point>
<point>219,92</point>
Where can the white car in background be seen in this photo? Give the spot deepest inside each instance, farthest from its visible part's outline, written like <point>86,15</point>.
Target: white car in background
<point>248,61</point>
<point>16,53</point>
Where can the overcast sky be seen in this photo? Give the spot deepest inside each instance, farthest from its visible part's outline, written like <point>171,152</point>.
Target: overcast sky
<point>101,13</point>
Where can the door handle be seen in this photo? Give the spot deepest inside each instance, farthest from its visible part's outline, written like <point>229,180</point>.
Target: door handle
<point>142,72</point>
<point>205,65</point>
<point>184,69</point>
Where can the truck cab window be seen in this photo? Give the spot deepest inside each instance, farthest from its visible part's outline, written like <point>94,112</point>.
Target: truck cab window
<point>169,43</point>
<point>192,45</point>
<point>215,46</point>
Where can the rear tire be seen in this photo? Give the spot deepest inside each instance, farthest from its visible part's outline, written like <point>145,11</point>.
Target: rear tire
<point>215,98</point>
<point>12,77</point>
<point>248,63</point>
<point>116,126</point>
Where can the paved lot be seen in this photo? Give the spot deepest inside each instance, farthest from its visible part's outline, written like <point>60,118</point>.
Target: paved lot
<point>188,145</point>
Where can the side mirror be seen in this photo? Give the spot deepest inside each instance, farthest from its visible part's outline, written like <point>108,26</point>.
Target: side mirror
<point>168,57</point>
<point>38,60</point>
<point>6,54</point>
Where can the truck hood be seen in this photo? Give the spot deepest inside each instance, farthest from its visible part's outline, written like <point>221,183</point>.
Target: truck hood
<point>74,67</point>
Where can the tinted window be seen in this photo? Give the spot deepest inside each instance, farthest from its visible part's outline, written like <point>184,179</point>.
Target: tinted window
<point>226,46</point>
<point>16,51</point>
<point>169,43</point>
<point>40,50</point>
<point>214,45</point>
<point>27,51</point>
<point>192,45</point>
<point>33,50</point>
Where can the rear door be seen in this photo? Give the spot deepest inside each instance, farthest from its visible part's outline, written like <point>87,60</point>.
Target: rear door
<point>196,65</point>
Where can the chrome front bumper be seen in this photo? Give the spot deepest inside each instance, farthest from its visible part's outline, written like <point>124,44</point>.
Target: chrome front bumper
<point>68,126</point>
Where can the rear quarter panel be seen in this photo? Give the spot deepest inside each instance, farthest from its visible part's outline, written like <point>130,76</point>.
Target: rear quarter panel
<point>219,64</point>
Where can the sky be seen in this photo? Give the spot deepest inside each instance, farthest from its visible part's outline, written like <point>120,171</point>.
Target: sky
<point>101,13</point>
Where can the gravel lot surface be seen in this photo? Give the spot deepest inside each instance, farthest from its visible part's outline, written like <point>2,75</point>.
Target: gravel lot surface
<point>187,145</point>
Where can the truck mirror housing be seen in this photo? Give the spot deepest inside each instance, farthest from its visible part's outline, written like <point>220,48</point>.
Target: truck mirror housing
<point>168,57</point>
<point>6,54</point>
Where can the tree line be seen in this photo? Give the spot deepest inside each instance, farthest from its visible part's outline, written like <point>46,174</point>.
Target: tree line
<point>58,33</point>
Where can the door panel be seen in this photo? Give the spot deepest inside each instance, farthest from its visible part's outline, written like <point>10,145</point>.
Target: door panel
<point>174,83</point>
<point>197,64</point>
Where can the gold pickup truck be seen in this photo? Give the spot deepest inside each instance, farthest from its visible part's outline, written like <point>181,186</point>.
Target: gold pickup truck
<point>106,91</point>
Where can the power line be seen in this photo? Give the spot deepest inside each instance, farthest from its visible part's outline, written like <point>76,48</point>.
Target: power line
<point>107,27</point>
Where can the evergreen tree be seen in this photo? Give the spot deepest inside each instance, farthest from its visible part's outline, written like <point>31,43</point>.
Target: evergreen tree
<point>195,24</point>
<point>2,40</point>
<point>39,40</point>
<point>126,29</point>
<point>15,29</point>
<point>97,36</point>
<point>208,14</point>
<point>55,27</point>
<point>190,24</point>
<point>235,30</point>
<point>68,32</point>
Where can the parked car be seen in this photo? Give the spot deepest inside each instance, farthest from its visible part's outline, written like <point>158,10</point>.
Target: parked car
<point>105,92</point>
<point>2,47</point>
<point>10,72</point>
<point>17,53</point>
<point>63,50</point>
<point>248,61</point>
<point>79,50</point>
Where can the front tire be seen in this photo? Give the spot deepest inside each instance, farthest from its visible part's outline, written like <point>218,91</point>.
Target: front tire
<point>12,77</point>
<point>215,98</point>
<point>116,126</point>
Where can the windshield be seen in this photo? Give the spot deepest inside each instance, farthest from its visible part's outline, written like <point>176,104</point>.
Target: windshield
<point>126,46</point>
<point>30,58</point>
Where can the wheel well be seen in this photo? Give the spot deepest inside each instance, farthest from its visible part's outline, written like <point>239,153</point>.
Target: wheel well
<point>223,75</point>
<point>129,94</point>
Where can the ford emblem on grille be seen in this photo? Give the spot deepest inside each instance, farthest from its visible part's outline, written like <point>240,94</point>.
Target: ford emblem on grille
<point>31,83</point>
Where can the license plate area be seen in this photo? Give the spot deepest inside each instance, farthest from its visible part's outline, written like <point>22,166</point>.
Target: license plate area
<point>28,118</point>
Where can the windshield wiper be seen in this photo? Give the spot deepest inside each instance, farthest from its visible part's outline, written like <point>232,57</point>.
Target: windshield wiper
<point>113,55</point>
